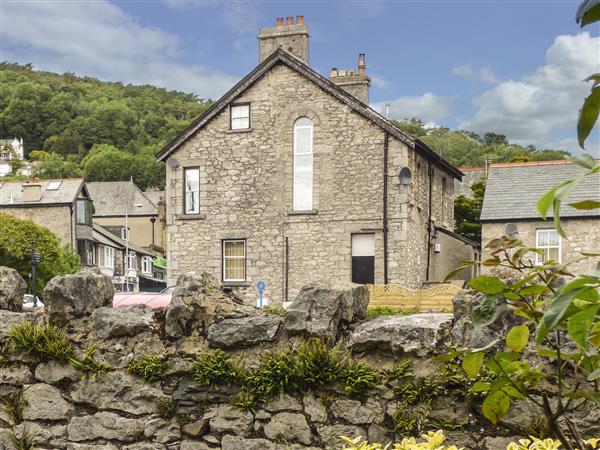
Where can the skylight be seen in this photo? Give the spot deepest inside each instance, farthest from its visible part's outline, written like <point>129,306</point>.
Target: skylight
<point>53,185</point>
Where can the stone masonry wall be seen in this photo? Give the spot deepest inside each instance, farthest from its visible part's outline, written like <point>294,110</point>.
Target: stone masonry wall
<point>582,236</point>
<point>63,222</point>
<point>246,193</point>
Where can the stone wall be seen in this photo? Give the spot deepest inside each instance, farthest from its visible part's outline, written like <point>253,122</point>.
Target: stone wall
<point>61,218</point>
<point>583,236</point>
<point>99,405</point>
<point>246,193</point>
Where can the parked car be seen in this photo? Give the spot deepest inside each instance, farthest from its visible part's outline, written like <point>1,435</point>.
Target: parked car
<point>154,300</point>
<point>28,302</point>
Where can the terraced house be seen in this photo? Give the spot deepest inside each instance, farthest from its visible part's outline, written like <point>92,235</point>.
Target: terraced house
<point>291,178</point>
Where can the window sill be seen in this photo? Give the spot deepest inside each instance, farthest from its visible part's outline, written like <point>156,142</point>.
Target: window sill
<point>190,216</point>
<point>234,284</point>
<point>241,130</point>
<point>308,212</point>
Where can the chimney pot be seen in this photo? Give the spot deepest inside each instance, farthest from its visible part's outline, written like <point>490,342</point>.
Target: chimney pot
<point>362,65</point>
<point>299,20</point>
<point>279,22</point>
<point>290,21</point>
<point>334,73</point>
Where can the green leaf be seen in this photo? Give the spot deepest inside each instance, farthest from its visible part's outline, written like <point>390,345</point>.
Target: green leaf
<point>487,285</point>
<point>585,161</point>
<point>594,375</point>
<point>518,337</point>
<point>512,391</point>
<point>546,353</point>
<point>588,114</point>
<point>534,289</point>
<point>588,12</point>
<point>472,363</point>
<point>490,309</point>
<point>480,386</point>
<point>585,204</point>
<point>595,77</point>
<point>557,309</point>
<point>579,325</point>
<point>495,405</point>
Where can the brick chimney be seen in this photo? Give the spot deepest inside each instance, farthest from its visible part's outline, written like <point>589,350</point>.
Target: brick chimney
<point>32,192</point>
<point>354,83</point>
<point>293,37</point>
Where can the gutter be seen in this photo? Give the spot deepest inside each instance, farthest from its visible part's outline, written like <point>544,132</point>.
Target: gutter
<point>385,205</point>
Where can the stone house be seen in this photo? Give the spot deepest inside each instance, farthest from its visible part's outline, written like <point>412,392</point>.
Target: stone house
<point>291,178</point>
<point>12,149</point>
<point>509,208</point>
<point>63,206</point>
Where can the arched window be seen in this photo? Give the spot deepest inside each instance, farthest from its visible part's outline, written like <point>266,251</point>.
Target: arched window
<point>303,164</point>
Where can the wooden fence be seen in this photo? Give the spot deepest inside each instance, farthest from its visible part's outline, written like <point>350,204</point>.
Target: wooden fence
<point>435,298</point>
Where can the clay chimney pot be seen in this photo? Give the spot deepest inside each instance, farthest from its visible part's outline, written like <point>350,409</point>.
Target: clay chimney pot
<point>290,21</point>
<point>279,22</point>
<point>362,65</point>
<point>299,20</point>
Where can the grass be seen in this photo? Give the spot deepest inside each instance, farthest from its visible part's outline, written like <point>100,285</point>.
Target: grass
<point>25,442</point>
<point>150,367</point>
<point>377,311</point>
<point>13,404</point>
<point>214,367</point>
<point>42,340</point>
<point>275,310</point>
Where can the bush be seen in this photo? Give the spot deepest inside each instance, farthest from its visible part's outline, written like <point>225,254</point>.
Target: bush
<point>214,367</point>
<point>271,377</point>
<point>149,367</point>
<point>43,340</point>
<point>359,378</point>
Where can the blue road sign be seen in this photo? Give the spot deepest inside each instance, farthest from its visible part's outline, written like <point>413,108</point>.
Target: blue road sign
<point>261,287</point>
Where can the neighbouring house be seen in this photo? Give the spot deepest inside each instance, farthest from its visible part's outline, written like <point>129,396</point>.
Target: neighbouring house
<point>5,167</point>
<point>509,208</point>
<point>118,202</point>
<point>12,149</point>
<point>291,178</point>
<point>63,206</point>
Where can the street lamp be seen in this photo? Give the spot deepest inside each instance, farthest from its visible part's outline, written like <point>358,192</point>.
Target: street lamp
<point>126,274</point>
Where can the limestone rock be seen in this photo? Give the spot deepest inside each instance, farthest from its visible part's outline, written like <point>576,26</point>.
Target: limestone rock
<point>498,443</point>
<point>330,434</point>
<point>244,331</point>
<point>118,391</point>
<point>105,425</point>
<point>77,295</point>
<point>124,321</point>
<point>315,408</point>
<point>356,413</point>
<point>161,430</point>
<point>239,443</point>
<point>45,402</point>
<point>75,446</point>
<point>177,317</point>
<point>226,419</point>
<point>9,319</point>
<point>378,433</point>
<point>419,334</point>
<point>17,375</point>
<point>6,439</point>
<point>42,435</point>
<point>288,427</point>
<point>283,402</point>
<point>12,289</point>
<point>321,309</point>
<point>148,446</point>
<point>196,428</point>
<point>194,445</point>
<point>53,372</point>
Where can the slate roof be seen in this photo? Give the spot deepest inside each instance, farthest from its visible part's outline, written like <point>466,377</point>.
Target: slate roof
<point>284,57</point>
<point>111,197</point>
<point>102,235</point>
<point>513,190</point>
<point>154,196</point>
<point>66,193</point>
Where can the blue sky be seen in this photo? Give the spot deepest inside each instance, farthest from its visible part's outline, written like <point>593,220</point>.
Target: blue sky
<point>513,67</point>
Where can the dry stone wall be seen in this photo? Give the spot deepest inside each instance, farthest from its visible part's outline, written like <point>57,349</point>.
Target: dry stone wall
<point>90,400</point>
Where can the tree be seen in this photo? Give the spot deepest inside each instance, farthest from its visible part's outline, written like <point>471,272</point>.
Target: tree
<point>56,166</point>
<point>15,250</point>
<point>494,139</point>
<point>467,212</point>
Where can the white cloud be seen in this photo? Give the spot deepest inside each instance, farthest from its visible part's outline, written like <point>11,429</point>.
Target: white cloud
<point>428,107</point>
<point>533,109</point>
<point>99,39</point>
<point>485,73</point>
<point>379,82</point>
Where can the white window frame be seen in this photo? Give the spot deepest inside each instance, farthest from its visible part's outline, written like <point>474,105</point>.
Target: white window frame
<point>125,233</point>
<point>131,259</point>
<point>147,265</point>
<point>244,109</point>
<point>187,192</point>
<point>539,259</point>
<point>109,257</point>
<point>297,206</point>
<point>225,258</point>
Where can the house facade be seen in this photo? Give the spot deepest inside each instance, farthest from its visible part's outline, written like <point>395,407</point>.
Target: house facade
<point>291,178</point>
<point>509,208</point>
<point>12,149</point>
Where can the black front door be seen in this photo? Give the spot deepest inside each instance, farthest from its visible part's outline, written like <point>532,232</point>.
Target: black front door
<point>363,258</point>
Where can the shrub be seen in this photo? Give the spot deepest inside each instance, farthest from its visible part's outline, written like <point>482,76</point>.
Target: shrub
<point>317,365</point>
<point>44,340</point>
<point>88,364</point>
<point>13,404</point>
<point>359,378</point>
<point>149,367</point>
<point>271,377</point>
<point>275,310</point>
<point>377,311</point>
<point>216,366</point>
<point>244,402</point>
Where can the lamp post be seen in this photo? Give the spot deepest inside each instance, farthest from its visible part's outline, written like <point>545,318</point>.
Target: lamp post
<point>126,274</point>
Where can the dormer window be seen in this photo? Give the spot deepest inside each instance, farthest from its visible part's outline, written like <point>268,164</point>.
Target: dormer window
<point>84,211</point>
<point>240,117</point>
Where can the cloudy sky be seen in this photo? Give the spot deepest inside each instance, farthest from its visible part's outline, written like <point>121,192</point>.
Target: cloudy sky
<point>512,67</point>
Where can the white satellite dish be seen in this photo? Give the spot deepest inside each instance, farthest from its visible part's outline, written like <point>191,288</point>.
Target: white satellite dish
<point>511,229</point>
<point>405,176</point>
<point>172,162</point>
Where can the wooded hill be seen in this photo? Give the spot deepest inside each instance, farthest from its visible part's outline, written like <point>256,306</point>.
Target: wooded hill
<point>105,131</point>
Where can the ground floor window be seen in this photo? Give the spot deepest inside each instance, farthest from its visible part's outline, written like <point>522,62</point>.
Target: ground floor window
<point>549,242</point>
<point>106,257</point>
<point>234,260</point>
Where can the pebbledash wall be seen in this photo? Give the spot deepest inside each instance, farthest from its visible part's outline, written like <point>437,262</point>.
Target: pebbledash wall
<point>583,235</point>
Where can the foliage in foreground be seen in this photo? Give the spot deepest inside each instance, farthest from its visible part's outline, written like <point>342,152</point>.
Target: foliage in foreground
<point>149,367</point>
<point>435,440</point>
<point>15,250</point>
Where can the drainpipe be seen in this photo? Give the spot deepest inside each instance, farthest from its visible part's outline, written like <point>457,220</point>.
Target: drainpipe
<point>430,173</point>
<point>385,206</point>
<point>287,268</point>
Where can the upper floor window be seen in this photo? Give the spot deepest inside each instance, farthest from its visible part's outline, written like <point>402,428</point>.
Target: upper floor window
<point>548,241</point>
<point>147,265</point>
<point>240,117</point>
<point>192,190</point>
<point>124,233</point>
<point>84,211</point>
<point>106,257</point>
<point>131,261</point>
<point>303,164</point>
